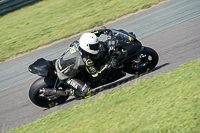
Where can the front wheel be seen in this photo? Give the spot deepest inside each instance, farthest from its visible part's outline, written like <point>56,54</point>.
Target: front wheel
<point>148,60</point>
<point>42,100</point>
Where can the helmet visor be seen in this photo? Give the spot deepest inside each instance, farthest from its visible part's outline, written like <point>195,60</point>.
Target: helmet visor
<point>94,46</point>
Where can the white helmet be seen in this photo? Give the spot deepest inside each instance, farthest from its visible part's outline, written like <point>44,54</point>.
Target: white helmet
<point>89,42</point>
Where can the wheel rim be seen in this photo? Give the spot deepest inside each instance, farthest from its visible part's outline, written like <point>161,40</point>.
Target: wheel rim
<point>146,61</point>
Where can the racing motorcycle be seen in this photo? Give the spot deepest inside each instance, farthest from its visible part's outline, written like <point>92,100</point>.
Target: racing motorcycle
<point>133,58</point>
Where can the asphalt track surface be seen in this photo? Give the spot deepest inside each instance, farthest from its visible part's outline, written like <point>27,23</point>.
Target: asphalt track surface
<point>172,29</point>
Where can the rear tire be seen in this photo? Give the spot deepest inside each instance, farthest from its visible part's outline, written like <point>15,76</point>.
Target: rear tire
<point>149,59</point>
<point>39,99</point>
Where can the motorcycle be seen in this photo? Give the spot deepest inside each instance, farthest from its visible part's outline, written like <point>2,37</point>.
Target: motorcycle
<point>133,58</point>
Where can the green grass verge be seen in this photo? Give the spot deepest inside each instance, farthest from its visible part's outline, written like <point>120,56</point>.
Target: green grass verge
<point>165,103</point>
<point>51,20</point>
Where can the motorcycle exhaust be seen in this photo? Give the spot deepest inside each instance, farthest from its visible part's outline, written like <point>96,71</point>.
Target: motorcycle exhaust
<point>50,91</point>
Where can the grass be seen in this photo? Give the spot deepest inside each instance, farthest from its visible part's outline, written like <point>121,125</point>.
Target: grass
<point>51,20</point>
<point>165,103</point>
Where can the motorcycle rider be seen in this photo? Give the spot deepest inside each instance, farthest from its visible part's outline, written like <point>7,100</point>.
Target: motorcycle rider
<point>80,56</point>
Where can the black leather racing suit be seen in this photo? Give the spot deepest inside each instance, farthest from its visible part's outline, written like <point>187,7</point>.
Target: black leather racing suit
<point>69,64</point>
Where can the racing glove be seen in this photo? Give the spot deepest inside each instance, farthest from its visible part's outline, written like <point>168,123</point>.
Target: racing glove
<point>102,30</point>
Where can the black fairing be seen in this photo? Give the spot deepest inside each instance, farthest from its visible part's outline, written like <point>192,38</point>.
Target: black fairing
<point>42,67</point>
<point>123,31</point>
<point>133,47</point>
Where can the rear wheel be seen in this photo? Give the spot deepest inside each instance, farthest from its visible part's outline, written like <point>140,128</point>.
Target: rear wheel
<point>42,100</point>
<point>148,60</point>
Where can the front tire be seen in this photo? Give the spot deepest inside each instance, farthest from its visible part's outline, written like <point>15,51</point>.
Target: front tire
<point>149,59</point>
<point>39,99</point>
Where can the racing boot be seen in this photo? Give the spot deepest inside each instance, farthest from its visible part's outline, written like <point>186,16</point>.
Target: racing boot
<point>80,89</point>
<point>89,93</point>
